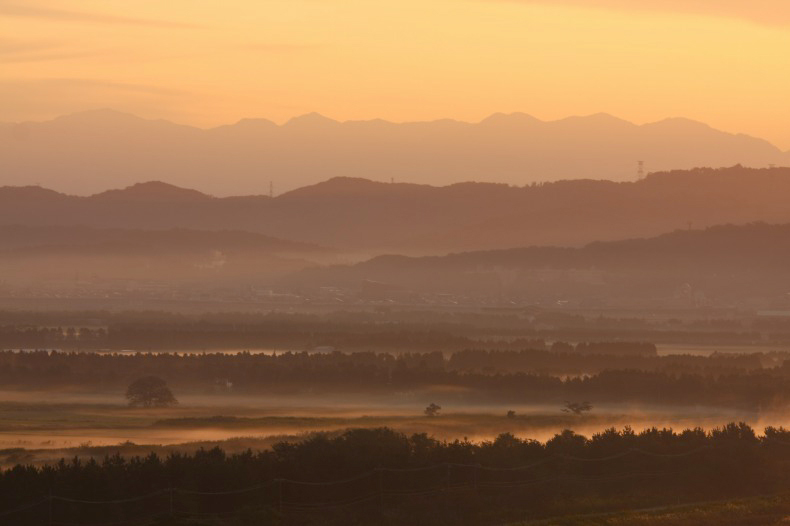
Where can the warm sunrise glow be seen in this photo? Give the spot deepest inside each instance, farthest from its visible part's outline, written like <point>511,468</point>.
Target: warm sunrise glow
<point>203,62</point>
<point>394,262</point>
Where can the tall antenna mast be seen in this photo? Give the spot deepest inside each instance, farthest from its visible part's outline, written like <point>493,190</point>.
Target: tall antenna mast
<point>640,170</point>
<point>271,189</point>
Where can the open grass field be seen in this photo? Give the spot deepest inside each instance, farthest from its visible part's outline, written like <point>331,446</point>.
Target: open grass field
<point>755,511</point>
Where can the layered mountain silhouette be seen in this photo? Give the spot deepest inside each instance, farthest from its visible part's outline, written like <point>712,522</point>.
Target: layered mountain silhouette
<point>92,151</point>
<point>373,217</point>
<point>736,261</point>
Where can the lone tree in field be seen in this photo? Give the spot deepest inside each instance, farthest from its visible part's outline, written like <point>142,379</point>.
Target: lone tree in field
<point>577,408</point>
<point>432,410</point>
<point>150,391</point>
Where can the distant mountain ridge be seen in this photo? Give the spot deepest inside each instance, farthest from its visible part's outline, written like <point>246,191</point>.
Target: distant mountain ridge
<point>754,245</point>
<point>93,151</point>
<point>373,217</point>
<point>752,259</point>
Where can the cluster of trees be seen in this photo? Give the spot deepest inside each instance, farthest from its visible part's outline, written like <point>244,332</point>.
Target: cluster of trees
<point>608,348</point>
<point>387,374</point>
<point>150,391</point>
<point>412,479</point>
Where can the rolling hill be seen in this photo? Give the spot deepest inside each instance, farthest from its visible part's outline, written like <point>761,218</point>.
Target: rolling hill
<point>374,218</point>
<point>725,261</point>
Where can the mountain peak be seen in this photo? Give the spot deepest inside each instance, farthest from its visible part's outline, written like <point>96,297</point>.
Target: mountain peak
<point>312,119</point>
<point>510,118</point>
<point>337,186</point>
<point>247,125</point>
<point>673,124</point>
<point>153,191</point>
<point>597,119</point>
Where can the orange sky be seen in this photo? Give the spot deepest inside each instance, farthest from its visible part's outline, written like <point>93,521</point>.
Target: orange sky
<point>206,62</point>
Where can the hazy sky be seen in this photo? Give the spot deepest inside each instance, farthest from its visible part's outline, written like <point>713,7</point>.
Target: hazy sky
<point>209,62</point>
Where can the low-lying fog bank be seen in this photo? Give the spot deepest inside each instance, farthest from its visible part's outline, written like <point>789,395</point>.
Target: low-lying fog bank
<point>36,431</point>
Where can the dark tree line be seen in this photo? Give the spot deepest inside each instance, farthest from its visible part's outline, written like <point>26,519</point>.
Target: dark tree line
<point>563,360</point>
<point>388,374</point>
<point>475,483</point>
